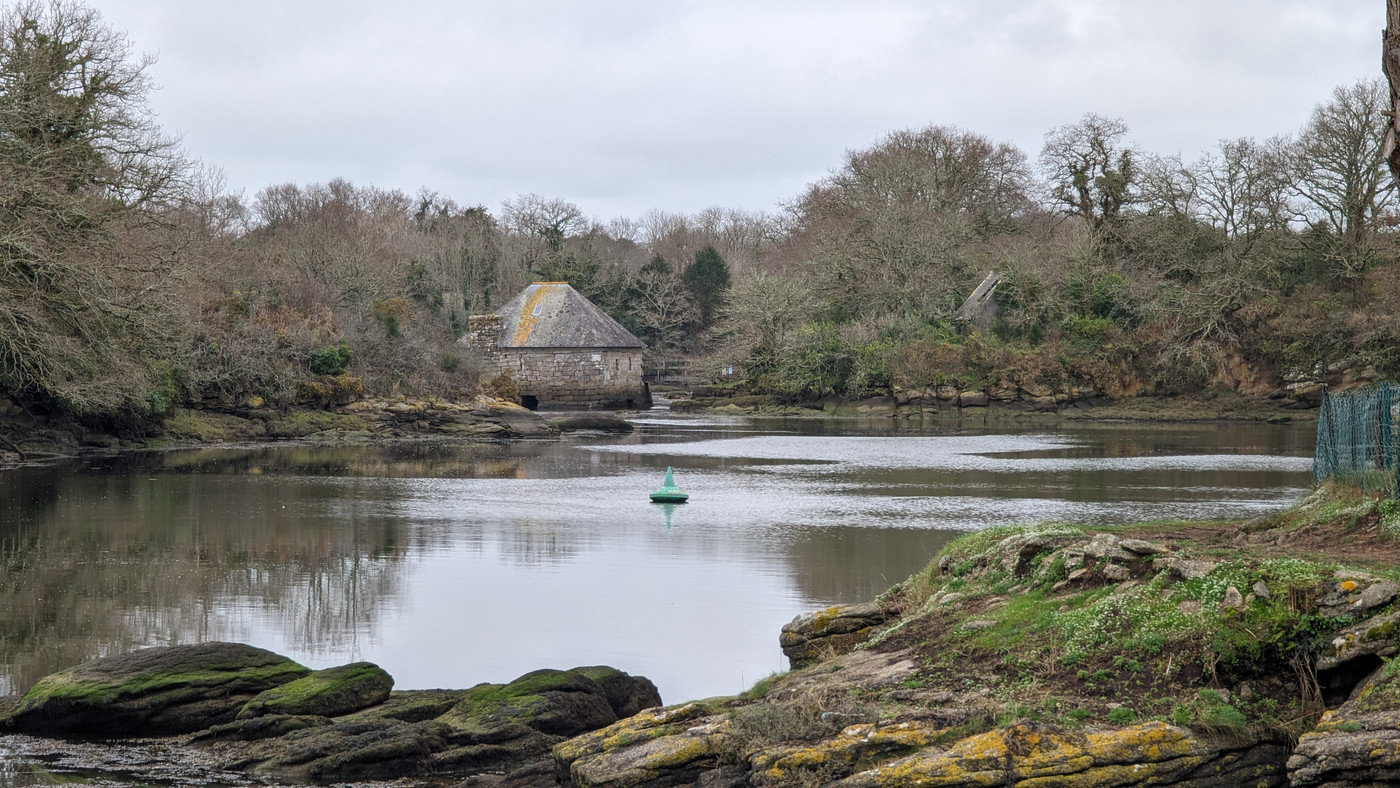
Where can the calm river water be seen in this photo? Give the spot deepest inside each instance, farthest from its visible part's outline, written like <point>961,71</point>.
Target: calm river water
<point>454,564</point>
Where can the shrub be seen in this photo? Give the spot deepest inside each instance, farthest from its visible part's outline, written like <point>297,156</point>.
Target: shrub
<point>333,360</point>
<point>503,386</point>
<point>392,314</point>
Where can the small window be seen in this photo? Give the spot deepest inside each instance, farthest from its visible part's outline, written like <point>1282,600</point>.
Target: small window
<point>539,310</point>
<point>530,401</point>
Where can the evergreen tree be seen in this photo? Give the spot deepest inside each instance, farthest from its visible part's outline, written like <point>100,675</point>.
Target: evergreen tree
<point>708,280</point>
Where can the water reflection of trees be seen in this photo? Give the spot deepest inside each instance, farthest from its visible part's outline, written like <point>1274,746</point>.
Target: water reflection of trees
<point>93,564</point>
<point>847,564</point>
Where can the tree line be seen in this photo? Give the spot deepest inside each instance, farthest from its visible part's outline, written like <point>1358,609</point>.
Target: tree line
<point>132,281</point>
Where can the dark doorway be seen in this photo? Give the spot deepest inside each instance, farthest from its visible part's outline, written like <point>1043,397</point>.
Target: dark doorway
<point>530,401</point>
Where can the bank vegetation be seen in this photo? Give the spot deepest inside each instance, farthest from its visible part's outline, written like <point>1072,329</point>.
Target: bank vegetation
<point>133,282</point>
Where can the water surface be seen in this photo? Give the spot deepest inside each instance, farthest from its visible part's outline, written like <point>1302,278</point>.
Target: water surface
<point>453,564</point>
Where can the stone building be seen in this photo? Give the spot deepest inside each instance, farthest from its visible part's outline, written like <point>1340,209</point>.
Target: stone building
<point>561,349</point>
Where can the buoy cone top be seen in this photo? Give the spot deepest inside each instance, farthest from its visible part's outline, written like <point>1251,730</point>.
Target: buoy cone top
<point>669,492</point>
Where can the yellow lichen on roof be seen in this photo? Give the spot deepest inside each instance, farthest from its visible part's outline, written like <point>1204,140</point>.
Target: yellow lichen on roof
<point>528,319</point>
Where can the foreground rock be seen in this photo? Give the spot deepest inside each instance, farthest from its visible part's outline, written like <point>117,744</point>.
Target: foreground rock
<point>259,714</point>
<point>325,693</point>
<point>1357,744</point>
<point>153,692</point>
<point>488,728</point>
<point>1054,656</point>
<point>826,633</point>
<point>1038,754</point>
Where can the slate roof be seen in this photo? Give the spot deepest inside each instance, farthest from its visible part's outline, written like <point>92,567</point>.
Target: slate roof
<point>553,314</point>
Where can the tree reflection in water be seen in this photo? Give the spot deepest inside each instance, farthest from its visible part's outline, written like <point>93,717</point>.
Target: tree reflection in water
<point>457,563</point>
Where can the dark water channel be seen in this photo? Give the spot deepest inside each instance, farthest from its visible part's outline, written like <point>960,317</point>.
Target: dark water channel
<point>451,565</point>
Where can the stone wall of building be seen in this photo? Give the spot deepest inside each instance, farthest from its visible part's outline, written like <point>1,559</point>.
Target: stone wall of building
<point>483,333</point>
<point>579,377</point>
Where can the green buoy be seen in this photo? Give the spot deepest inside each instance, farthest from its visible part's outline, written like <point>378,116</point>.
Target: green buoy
<point>669,492</point>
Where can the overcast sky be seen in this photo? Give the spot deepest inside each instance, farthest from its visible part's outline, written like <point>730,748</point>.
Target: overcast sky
<point>622,107</point>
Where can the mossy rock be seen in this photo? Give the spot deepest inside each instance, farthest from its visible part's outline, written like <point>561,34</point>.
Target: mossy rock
<point>327,693</point>
<point>152,692</point>
<point>626,694</point>
<point>555,702</point>
<point>267,727</point>
<point>343,751</point>
<point>302,423</point>
<point>209,427</point>
<point>414,705</point>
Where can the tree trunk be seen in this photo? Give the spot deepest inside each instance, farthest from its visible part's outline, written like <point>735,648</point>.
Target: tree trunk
<point>1390,64</point>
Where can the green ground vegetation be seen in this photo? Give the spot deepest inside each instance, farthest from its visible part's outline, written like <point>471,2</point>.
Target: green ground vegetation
<point>1156,646</point>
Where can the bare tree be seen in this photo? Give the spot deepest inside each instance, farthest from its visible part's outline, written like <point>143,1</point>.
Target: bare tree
<point>665,309</point>
<point>1341,174</point>
<point>1091,171</point>
<point>1243,190</point>
<point>531,214</point>
<point>949,171</point>
<point>763,311</point>
<point>84,172</point>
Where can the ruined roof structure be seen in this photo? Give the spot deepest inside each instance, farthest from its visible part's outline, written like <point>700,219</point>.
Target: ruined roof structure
<point>553,314</point>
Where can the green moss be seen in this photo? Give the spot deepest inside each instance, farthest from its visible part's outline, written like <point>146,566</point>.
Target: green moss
<point>977,543</point>
<point>209,427</point>
<point>67,686</point>
<point>518,699</point>
<point>301,423</point>
<point>329,692</point>
<point>1384,693</point>
<point>1149,646</point>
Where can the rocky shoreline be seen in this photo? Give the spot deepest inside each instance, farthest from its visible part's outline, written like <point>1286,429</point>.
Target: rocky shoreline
<point>29,439</point>
<point>1077,404</point>
<point>1173,654</point>
<point>34,438</point>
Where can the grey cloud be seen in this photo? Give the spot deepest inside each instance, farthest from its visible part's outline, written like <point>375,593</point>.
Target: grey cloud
<point>626,106</point>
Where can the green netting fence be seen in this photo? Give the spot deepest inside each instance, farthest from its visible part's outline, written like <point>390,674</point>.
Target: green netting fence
<point>1356,437</point>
